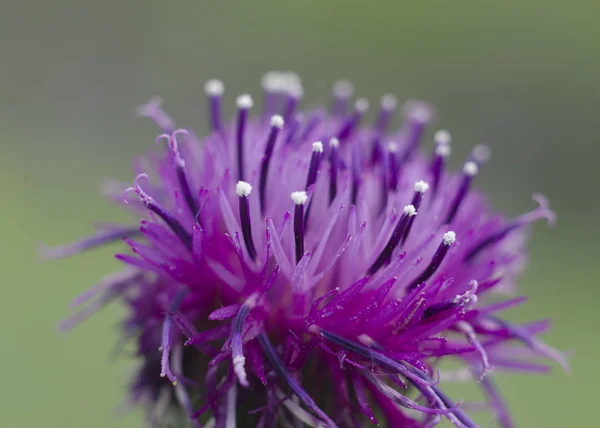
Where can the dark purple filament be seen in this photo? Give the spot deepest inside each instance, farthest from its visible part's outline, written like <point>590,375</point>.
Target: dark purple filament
<point>247,226</point>
<point>436,261</point>
<point>392,243</point>
<point>276,125</point>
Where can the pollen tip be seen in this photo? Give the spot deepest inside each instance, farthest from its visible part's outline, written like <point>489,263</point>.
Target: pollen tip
<point>389,102</point>
<point>299,197</point>
<point>343,88</point>
<point>361,105</point>
<point>421,186</point>
<point>277,121</point>
<point>244,101</point>
<point>471,168</point>
<point>243,189</point>
<point>449,238</point>
<point>443,150</point>
<point>392,147</point>
<point>410,210</point>
<point>334,142</point>
<point>481,153</point>
<point>442,137</point>
<point>317,147</point>
<point>214,88</point>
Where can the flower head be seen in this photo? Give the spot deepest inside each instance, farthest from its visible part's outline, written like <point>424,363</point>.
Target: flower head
<point>307,267</point>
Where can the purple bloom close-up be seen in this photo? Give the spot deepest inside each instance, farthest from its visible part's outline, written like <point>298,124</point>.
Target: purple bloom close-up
<point>305,268</point>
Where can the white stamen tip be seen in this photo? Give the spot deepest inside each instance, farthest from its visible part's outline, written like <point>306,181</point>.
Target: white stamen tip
<point>471,168</point>
<point>418,111</point>
<point>300,197</point>
<point>334,142</point>
<point>214,88</point>
<point>277,121</point>
<point>393,147</point>
<point>361,105</point>
<point>481,153</point>
<point>292,84</point>
<point>442,137</point>
<point>389,102</point>
<point>317,147</point>
<point>243,189</point>
<point>244,101</point>
<point>443,150</point>
<point>421,186</point>
<point>449,238</point>
<point>271,81</point>
<point>343,89</point>
<point>410,210</point>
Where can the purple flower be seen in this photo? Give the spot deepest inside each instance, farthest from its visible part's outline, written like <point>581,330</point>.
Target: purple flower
<point>306,268</point>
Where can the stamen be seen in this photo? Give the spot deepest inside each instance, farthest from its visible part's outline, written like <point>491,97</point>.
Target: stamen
<point>180,170</point>
<point>393,166</point>
<point>237,352</point>
<point>153,206</point>
<point>386,254</point>
<point>243,190</point>
<point>436,261</point>
<point>441,152</point>
<point>271,83</point>
<point>469,171</point>
<point>356,173</point>
<point>342,92</point>
<point>244,103</point>
<point>418,114</point>
<point>300,198</point>
<point>313,170</point>
<point>467,300</point>
<point>420,189</point>
<point>334,161</point>
<point>540,213</point>
<point>315,162</point>
<point>348,127</point>
<point>276,126</point>
<point>480,154</point>
<point>293,128</point>
<point>214,90</point>
<point>386,109</point>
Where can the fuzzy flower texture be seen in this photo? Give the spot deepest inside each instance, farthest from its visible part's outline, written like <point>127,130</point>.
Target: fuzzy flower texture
<point>302,268</point>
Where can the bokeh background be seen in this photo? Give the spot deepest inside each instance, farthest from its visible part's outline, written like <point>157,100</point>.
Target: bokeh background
<point>522,76</point>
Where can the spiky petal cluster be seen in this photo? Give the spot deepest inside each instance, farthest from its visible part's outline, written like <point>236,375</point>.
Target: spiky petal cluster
<point>302,267</point>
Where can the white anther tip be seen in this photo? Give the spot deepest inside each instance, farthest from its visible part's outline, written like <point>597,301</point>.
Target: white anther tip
<point>244,101</point>
<point>317,147</point>
<point>392,147</point>
<point>471,168</point>
<point>449,238</point>
<point>300,197</point>
<point>410,210</point>
<point>389,102</point>
<point>481,153</point>
<point>214,88</point>
<point>277,121</point>
<point>443,150</point>
<point>243,189</point>
<point>343,89</point>
<point>421,186</point>
<point>334,142</point>
<point>442,137</point>
<point>361,105</point>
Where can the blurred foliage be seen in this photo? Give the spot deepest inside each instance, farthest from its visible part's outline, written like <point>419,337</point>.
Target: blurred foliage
<point>519,75</point>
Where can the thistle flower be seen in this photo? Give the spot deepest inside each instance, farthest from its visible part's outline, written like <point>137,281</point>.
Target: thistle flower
<point>306,268</point>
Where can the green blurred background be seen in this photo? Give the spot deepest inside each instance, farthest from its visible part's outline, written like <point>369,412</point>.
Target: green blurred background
<point>522,76</point>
